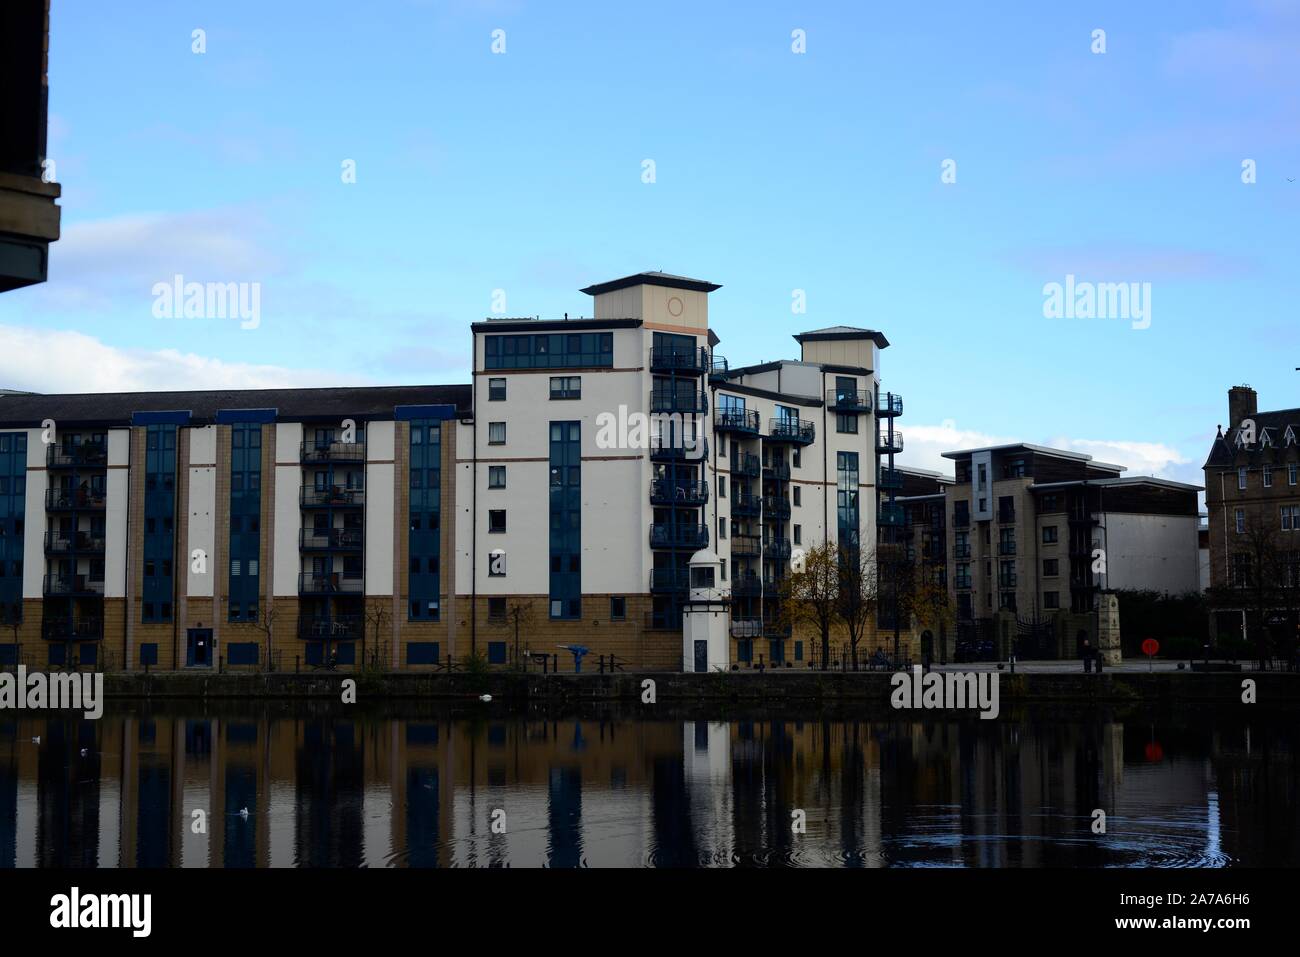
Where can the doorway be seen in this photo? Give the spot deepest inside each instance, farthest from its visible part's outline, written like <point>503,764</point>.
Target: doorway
<point>198,651</point>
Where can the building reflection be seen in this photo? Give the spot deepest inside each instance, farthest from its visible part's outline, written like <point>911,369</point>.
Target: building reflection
<point>346,790</point>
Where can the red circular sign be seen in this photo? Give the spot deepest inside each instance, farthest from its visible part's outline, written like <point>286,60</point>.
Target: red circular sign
<point>1150,646</point>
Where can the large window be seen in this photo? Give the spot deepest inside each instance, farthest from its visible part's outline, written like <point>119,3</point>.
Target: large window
<point>566,520</point>
<point>424,538</point>
<point>846,495</point>
<point>245,520</point>
<point>565,350</point>
<point>159,523</point>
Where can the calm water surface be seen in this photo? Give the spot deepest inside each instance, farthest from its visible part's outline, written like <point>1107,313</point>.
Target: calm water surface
<point>316,788</point>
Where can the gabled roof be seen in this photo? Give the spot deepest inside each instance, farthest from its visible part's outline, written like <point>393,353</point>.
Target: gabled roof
<point>842,332</point>
<point>652,279</point>
<point>1270,445</point>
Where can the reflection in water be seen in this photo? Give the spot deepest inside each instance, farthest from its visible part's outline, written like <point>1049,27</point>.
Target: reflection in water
<point>437,789</point>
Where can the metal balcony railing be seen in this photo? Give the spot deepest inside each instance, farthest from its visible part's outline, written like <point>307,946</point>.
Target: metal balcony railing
<point>66,629</point>
<point>89,455</point>
<point>675,535</point>
<point>337,496</point>
<point>890,478</point>
<point>718,367</point>
<point>332,583</point>
<point>736,420</point>
<point>745,503</point>
<point>745,546</point>
<point>889,405</point>
<point>801,431</point>
<point>336,628</point>
<point>887,442</point>
<point>1006,548</point>
<point>314,453</point>
<point>891,515</point>
<point>679,401</point>
<point>746,627</point>
<point>678,449</point>
<point>777,506</point>
<point>73,499</point>
<point>960,551</point>
<point>331,539</point>
<point>72,586</point>
<point>746,585</point>
<point>73,543</point>
<point>690,494</point>
<point>778,548</point>
<point>666,620</point>
<point>778,471</point>
<point>848,400</point>
<point>670,359</point>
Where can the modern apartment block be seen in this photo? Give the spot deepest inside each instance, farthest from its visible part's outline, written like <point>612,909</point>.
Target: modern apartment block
<point>1037,533</point>
<point>554,504</point>
<point>1252,494</point>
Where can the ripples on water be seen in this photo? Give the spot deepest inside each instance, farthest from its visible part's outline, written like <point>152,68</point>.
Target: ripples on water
<point>505,791</point>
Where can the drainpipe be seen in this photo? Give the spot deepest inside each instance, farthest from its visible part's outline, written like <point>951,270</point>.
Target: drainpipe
<point>473,539</point>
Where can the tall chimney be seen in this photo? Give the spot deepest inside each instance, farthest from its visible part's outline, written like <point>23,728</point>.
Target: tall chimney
<point>1242,404</point>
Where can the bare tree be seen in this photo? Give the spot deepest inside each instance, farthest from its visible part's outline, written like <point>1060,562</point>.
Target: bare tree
<point>1257,548</point>
<point>810,594</point>
<point>266,624</point>
<point>519,614</point>
<point>859,595</point>
<point>377,619</point>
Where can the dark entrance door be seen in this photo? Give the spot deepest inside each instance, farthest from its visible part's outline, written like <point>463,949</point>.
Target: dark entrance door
<point>198,651</point>
<point>701,655</point>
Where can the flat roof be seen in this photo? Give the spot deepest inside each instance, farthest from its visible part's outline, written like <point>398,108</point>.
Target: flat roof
<point>1038,449</point>
<point>653,278</point>
<point>842,332</point>
<point>1121,481</point>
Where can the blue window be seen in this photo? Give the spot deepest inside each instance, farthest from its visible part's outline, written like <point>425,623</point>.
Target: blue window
<point>241,653</point>
<point>496,652</point>
<point>847,498</point>
<point>777,651</point>
<point>798,651</point>
<point>566,520</point>
<point>245,520</point>
<point>424,538</point>
<point>159,523</point>
<point>13,471</point>
<point>422,653</point>
<point>8,654</point>
<point>745,649</point>
<point>58,654</point>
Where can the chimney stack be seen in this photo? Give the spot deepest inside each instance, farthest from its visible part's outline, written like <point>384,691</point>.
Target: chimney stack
<point>1243,403</point>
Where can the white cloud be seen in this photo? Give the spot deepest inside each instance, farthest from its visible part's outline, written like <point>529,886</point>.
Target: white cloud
<point>37,360</point>
<point>925,445</point>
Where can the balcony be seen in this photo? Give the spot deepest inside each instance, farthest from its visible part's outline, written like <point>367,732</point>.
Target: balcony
<point>669,579</point>
<point>889,405</point>
<point>773,628</point>
<point>779,472</point>
<point>70,629</point>
<point>718,367</point>
<point>736,420</point>
<point>669,401</point>
<point>669,449</point>
<point>745,546</point>
<point>798,431</point>
<point>745,503</point>
<point>746,464</point>
<point>313,453</point>
<point>890,478</point>
<point>337,496</point>
<point>331,540</point>
<point>667,620</point>
<point>674,535</point>
<point>890,515</point>
<point>848,400</point>
<point>889,442</point>
<point>684,493</point>
<point>74,543</point>
<point>332,583</point>
<point>746,585</point>
<point>87,455</point>
<point>72,586</point>
<point>1006,548</point>
<point>960,552</point>
<point>776,506</point>
<point>746,627</point>
<point>338,628</point>
<point>668,359</point>
<point>73,499</point>
<point>777,548</point>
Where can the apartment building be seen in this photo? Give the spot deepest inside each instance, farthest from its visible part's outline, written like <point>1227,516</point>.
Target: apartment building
<point>552,506</point>
<point>1037,533</point>
<point>1252,496</point>
<point>29,215</point>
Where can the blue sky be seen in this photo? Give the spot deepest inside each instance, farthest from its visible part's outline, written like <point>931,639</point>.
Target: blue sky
<point>775,171</point>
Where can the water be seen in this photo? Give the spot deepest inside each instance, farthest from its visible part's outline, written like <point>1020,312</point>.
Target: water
<point>419,787</point>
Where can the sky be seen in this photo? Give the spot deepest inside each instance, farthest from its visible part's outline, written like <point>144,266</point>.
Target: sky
<point>927,170</point>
